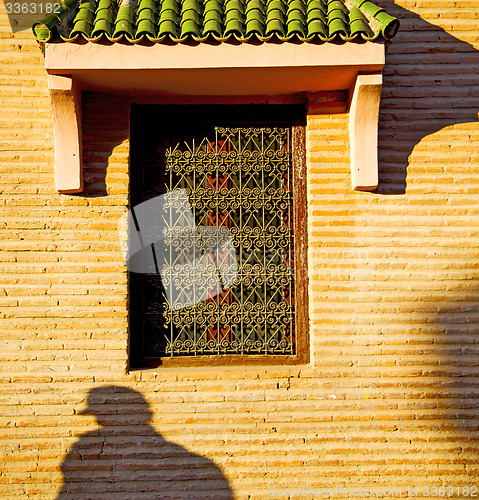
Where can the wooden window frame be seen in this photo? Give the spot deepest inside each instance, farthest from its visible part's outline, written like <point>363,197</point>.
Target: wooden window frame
<point>136,357</point>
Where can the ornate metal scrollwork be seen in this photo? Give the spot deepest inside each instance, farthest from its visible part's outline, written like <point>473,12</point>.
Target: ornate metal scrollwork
<point>240,180</point>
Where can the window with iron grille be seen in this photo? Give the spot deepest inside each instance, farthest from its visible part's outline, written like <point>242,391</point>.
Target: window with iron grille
<point>227,284</point>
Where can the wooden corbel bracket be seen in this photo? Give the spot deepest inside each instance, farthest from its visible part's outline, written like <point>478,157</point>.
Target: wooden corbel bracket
<point>363,131</point>
<point>65,95</point>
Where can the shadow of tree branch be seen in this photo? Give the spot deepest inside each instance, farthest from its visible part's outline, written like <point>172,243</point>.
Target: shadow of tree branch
<point>430,82</point>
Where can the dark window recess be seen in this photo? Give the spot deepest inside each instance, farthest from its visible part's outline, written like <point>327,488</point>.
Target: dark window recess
<point>241,171</point>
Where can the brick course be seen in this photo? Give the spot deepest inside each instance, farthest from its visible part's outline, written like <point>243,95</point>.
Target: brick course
<point>391,396</point>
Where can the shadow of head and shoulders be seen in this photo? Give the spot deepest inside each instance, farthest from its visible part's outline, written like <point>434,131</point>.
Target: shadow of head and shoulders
<point>125,457</point>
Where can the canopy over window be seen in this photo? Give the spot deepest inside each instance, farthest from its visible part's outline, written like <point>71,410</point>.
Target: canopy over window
<point>288,49</point>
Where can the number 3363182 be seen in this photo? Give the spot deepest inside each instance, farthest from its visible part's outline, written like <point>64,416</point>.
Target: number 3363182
<point>450,491</point>
<point>32,8</point>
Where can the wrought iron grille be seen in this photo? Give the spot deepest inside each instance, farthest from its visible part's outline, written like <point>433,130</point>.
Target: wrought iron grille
<point>239,179</point>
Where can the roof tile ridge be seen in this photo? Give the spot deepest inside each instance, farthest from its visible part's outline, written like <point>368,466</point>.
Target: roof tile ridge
<point>43,29</point>
<point>382,24</point>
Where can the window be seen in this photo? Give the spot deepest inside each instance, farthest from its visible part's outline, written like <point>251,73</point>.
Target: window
<point>220,193</point>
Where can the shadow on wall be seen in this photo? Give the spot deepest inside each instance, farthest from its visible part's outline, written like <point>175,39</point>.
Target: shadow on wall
<point>106,125</point>
<point>20,14</point>
<point>454,355</point>
<point>127,458</point>
<point>430,82</point>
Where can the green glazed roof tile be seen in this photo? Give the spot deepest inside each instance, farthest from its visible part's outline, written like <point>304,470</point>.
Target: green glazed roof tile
<point>125,14</point>
<point>371,9</point>
<point>83,22</point>
<point>336,5</point>
<point>254,21</point>
<point>384,26</point>
<point>101,26</point>
<point>87,6</point>
<point>82,27</point>
<point>190,15</point>
<point>317,4</point>
<point>255,14</point>
<point>317,15</point>
<point>389,25</point>
<point>212,15</point>
<point>213,6</point>
<point>254,27</point>
<point>146,15</point>
<point>233,27</point>
<point>275,14</point>
<point>222,20</point>
<point>356,15</point>
<point>104,18</point>
<point>213,28</point>
<point>295,27</point>
<point>145,27</point>
<point>295,15</point>
<point>275,5</point>
<point>233,5</point>
<point>104,4</point>
<point>275,27</point>
<point>296,5</point>
<point>358,23</point>
<point>191,5</point>
<point>255,5</point>
<point>168,15</point>
<point>337,27</point>
<point>338,14</point>
<point>173,5</point>
<point>296,20</point>
<point>147,4</point>
<point>146,19</point>
<point>317,28</point>
<point>167,28</point>
<point>189,27</point>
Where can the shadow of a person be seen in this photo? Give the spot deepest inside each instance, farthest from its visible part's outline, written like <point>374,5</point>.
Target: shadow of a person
<point>126,458</point>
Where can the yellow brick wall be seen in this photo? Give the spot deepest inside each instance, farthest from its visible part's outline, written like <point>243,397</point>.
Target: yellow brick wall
<point>391,397</point>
